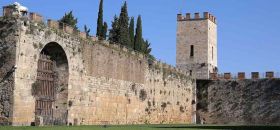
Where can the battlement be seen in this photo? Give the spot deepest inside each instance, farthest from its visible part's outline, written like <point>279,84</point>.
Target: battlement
<point>65,28</point>
<point>197,16</point>
<point>8,10</point>
<point>53,24</point>
<point>36,17</point>
<point>242,76</point>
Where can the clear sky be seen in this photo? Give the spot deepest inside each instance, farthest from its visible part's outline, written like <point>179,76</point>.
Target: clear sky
<point>248,30</point>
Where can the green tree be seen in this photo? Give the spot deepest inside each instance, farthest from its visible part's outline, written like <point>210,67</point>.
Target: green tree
<point>114,33</point>
<point>138,40</point>
<point>131,32</point>
<point>123,25</point>
<point>104,31</point>
<point>147,47</point>
<point>99,31</point>
<point>70,20</point>
<point>87,30</point>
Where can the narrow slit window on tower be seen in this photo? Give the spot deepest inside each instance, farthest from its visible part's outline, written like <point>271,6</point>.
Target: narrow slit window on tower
<point>212,53</point>
<point>192,51</point>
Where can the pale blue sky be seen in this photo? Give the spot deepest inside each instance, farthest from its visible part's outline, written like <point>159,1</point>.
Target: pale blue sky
<point>248,30</point>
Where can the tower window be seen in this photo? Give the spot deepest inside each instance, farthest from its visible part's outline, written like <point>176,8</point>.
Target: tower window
<point>212,53</point>
<point>192,51</point>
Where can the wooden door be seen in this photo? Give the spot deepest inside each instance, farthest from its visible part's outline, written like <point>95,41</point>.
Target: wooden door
<point>45,91</point>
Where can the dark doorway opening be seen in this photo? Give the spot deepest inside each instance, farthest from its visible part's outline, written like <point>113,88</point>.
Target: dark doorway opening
<point>51,89</point>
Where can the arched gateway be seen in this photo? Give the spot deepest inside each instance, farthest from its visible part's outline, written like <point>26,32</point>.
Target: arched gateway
<point>51,87</point>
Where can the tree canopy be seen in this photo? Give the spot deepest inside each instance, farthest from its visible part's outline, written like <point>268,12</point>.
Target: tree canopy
<point>138,39</point>
<point>104,31</point>
<point>131,32</point>
<point>114,33</point>
<point>99,31</point>
<point>87,30</point>
<point>123,32</point>
<point>123,26</point>
<point>70,20</point>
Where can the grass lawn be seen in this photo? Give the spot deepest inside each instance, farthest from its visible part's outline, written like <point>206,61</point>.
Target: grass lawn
<point>147,127</point>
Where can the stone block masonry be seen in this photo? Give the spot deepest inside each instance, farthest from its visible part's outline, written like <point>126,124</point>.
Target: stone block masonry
<point>197,44</point>
<point>104,61</point>
<point>96,81</point>
<point>53,24</point>
<point>36,17</point>
<point>247,102</point>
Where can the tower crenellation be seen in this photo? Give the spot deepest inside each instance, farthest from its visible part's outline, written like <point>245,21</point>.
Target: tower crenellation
<point>196,16</point>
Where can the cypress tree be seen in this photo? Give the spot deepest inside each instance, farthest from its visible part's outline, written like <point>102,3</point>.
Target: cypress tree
<point>147,47</point>
<point>138,40</point>
<point>123,24</point>
<point>114,33</point>
<point>70,20</point>
<point>99,31</point>
<point>131,32</point>
<point>87,30</point>
<point>104,31</point>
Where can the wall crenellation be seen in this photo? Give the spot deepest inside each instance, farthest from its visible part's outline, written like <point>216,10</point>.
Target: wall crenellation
<point>197,16</point>
<point>242,76</point>
<point>35,17</point>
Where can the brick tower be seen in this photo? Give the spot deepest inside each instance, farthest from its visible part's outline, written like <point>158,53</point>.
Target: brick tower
<point>197,44</point>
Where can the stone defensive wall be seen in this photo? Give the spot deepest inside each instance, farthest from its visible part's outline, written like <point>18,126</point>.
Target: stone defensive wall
<point>228,99</point>
<point>97,82</point>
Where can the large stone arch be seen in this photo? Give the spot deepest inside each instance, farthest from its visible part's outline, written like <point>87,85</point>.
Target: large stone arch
<point>51,105</point>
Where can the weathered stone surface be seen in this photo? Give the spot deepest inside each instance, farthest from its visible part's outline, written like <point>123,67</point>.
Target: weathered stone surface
<point>105,83</point>
<point>239,102</point>
<point>7,67</point>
